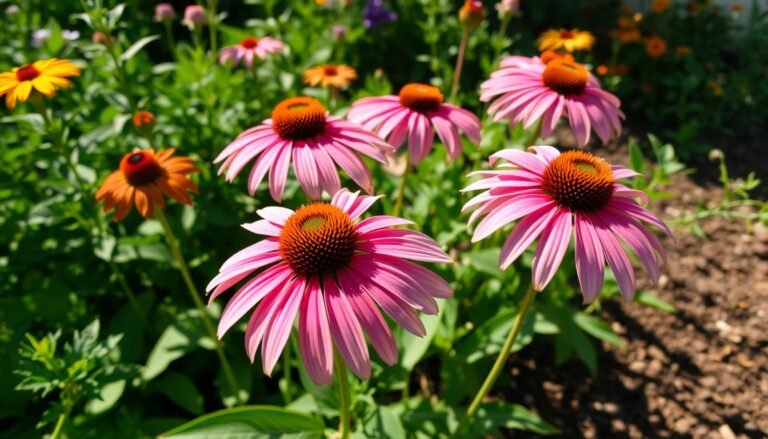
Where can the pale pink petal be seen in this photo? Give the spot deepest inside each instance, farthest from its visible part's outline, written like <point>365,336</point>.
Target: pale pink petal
<point>278,174</point>
<point>379,222</point>
<point>306,170</point>
<point>590,260</point>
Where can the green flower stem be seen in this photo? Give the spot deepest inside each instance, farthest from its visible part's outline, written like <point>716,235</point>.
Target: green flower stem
<point>459,64</point>
<point>122,78</point>
<point>59,425</point>
<point>535,134</point>
<point>525,306</point>
<point>176,251</point>
<point>340,370</point>
<point>212,23</point>
<point>169,36</point>
<point>401,188</point>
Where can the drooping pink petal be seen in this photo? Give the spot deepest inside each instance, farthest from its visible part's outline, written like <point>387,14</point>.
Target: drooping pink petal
<point>315,335</point>
<point>281,325</point>
<point>527,230</point>
<point>346,331</point>
<point>590,262</point>
<point>552,246</point>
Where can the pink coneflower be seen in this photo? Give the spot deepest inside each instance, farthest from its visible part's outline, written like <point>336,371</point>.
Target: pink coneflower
<point>335,271</point>
<point>194,15</point>
<point>528,89</point>
<point>555,194</point>
<point>164,11</point>
<point>413,114</point>
<point>248,48</point>
<point>301,128</point>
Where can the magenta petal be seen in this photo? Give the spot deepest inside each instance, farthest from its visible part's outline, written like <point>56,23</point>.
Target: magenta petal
<point>281,325</point>
<point>371,320</point>
<point>590,262</point>
<point>526,231</point>
<point>315,335</point>
<point>616,257</point>
<point>346,331</point>
<point>551,249</point>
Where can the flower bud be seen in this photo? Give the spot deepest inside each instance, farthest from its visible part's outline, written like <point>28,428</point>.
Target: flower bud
<point>471,15</point>
<point>194,15</point>
<point>164,12</point>
<point>100,37</point>
<point>144,121</point>
<point>508,8</point>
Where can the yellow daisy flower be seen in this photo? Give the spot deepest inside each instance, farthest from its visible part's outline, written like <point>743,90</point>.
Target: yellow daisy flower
<point>42,76</point>
<point>569,40</point>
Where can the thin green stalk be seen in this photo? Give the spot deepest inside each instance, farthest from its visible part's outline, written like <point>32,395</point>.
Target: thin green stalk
<point>525,306</point>
<point>340,370</point>
<point>401,188</point>
<point>169,36</point>
<point>535,134</point>
<point>129,293</point>
<point>59,425</point>
<point>176,251</point>
<point>212,23</point>
<point>122,78</point>
<point>459,65</point>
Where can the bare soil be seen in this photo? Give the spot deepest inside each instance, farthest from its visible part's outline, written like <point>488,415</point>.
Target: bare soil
<point>701,372</point>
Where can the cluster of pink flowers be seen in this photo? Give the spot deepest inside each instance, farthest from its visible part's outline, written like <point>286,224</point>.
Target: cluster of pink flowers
<point>337,272</point>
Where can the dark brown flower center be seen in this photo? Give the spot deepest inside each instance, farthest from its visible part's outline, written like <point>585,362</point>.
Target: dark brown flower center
<point>330,71</point>
<point>579,180</point>
<point>566,35</point>
<point>140,168</point>
<point>299,118</point>
<point>421,97</point>
<point>565,77</point>
<point>317,239</point>
<point>27,73</point>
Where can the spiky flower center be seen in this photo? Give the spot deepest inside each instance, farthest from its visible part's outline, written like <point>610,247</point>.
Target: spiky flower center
<point>249,42</point>
<point>299,118</point>
<point>550,55</point>
<point>579,180</point>
<point>565,77</point>
<point>140,168</point>
<point>421,97</point>
<point>317,239</point>
<point>27,73</point>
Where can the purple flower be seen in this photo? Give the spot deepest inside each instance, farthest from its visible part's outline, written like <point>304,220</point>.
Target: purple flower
<point>376,13</point>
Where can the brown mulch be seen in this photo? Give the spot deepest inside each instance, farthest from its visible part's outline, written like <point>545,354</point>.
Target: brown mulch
<point>701,372</point>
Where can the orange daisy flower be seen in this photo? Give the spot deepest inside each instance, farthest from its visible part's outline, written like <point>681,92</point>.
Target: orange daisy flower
<point>41,76</point>
<point>336,76</point>
<point>144,178</point>
<point>655,46</point>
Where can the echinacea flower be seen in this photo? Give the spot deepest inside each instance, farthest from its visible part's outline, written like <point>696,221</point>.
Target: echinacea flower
<point>335,271</point>
<point>655,46</point>
<point>145,177</point>
<point>526,90</point>
<point>471,14</point>
<point>249,48</point>
<point>301,129</point>
<point>336,76</point>
<point>376,13</point>
<point>41,76</point>
<point>414,114</point>
<point>569,40</point>
<point>144,121</point>
<point>554,195</point>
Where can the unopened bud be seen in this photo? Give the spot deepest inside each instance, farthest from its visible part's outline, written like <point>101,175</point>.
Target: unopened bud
<point>471,14</point>
<point>144,121</point>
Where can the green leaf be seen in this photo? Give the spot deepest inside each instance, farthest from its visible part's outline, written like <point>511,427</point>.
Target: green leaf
<point>598,327</point>
<point>513,416</point>
<point>413,346</point>
<point>178,338</point>
<point>654,301</point>
<point>182,391</point>
<point>108,396</point>
<point>383,422</point>
<point>489,337</point>
<point>486,261</point>
<point>135,47</point>
<point>249,422</point>
<point>636,160</point>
